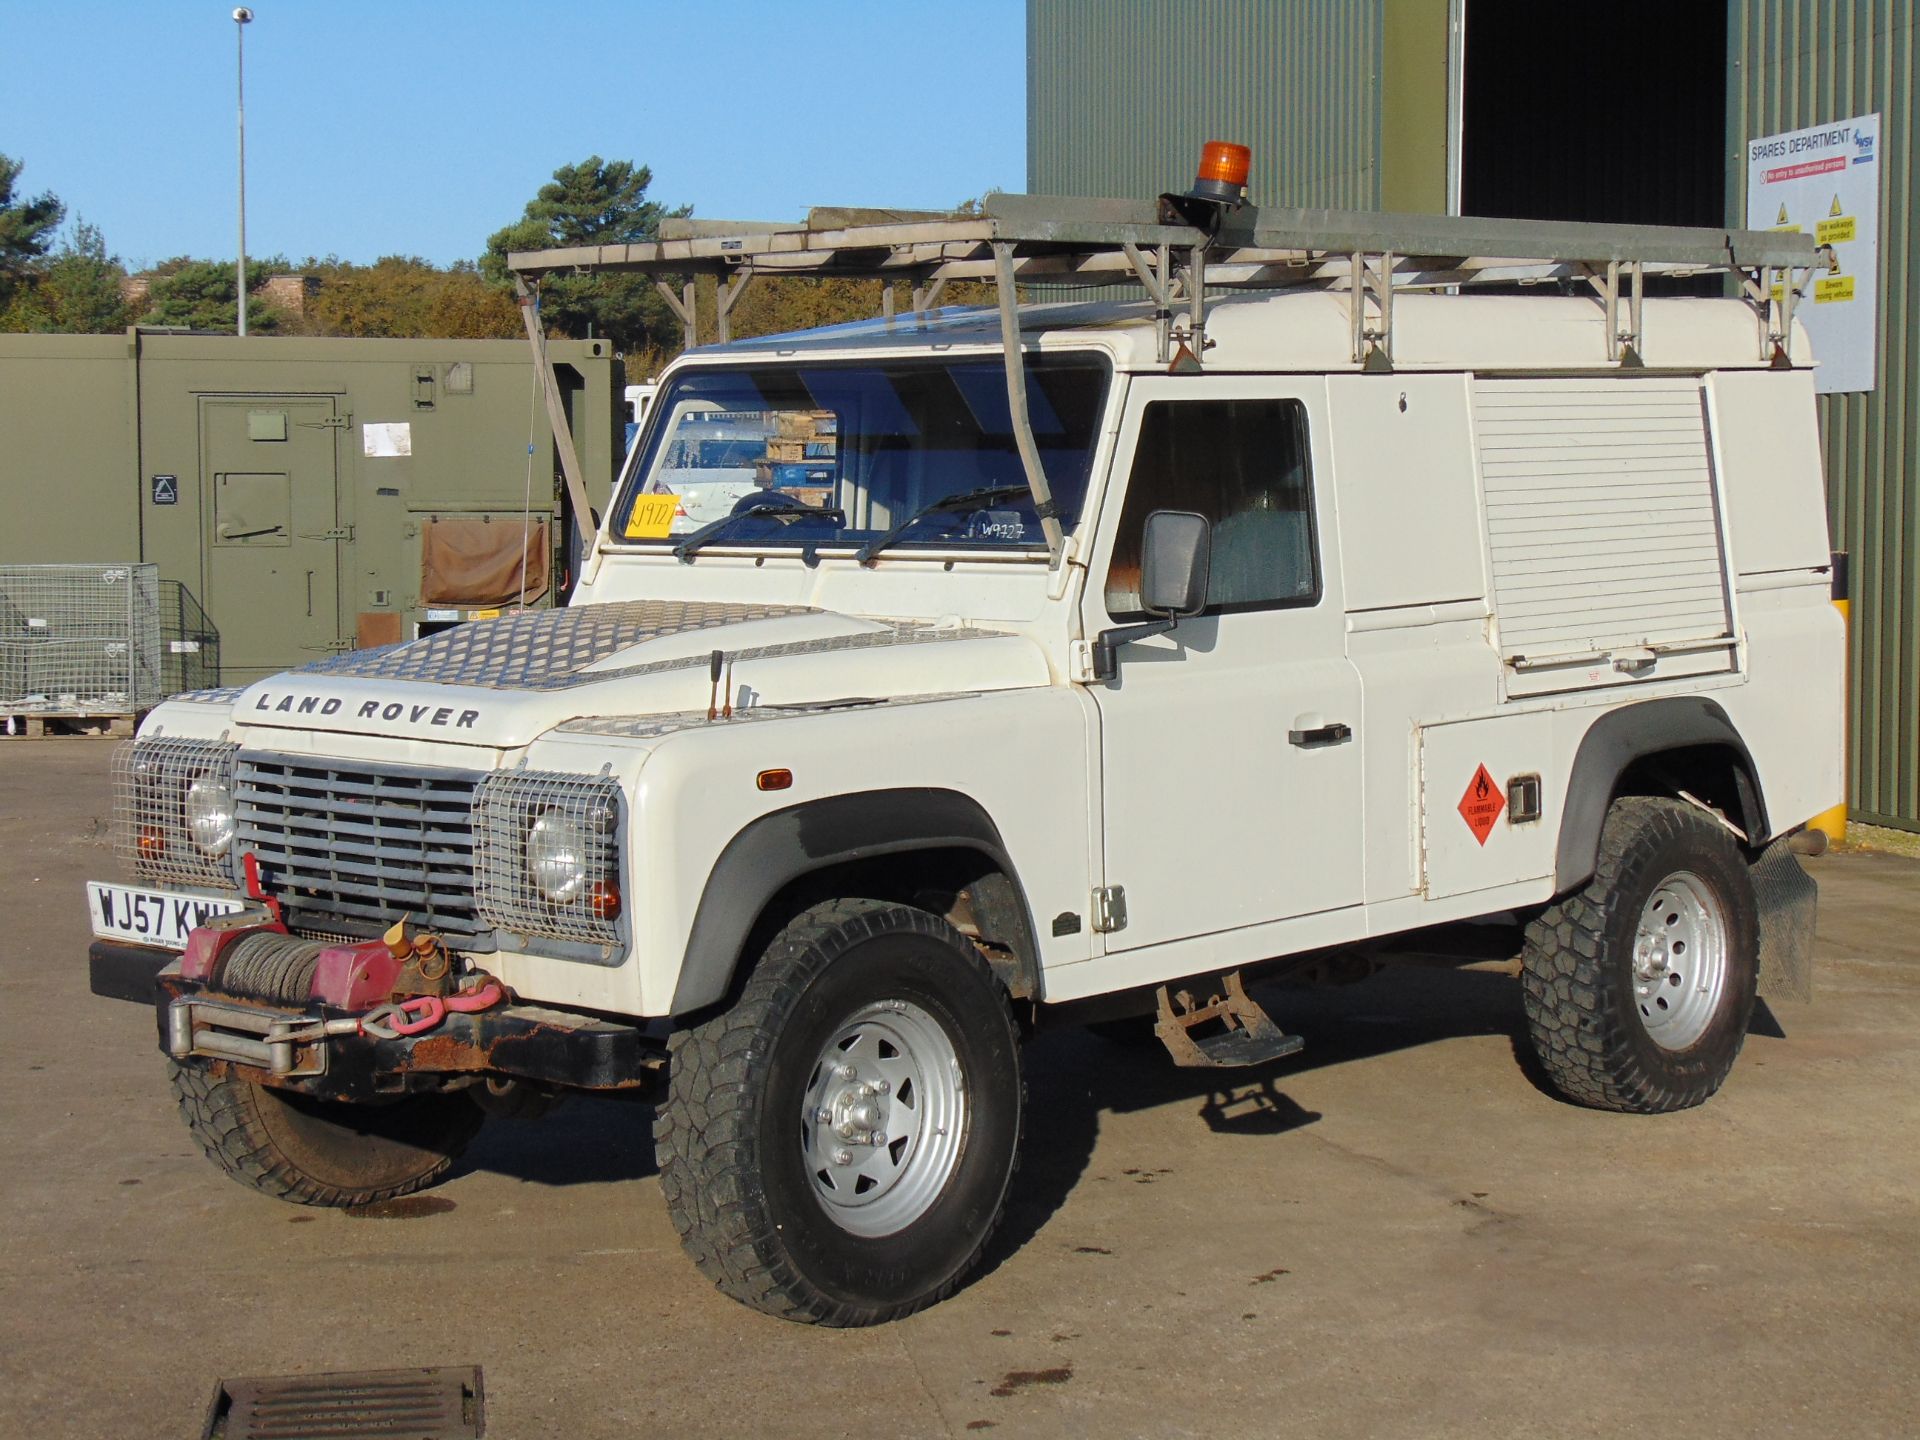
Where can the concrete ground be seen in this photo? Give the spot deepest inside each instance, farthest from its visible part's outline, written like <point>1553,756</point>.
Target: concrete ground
<point>1397,1233</point>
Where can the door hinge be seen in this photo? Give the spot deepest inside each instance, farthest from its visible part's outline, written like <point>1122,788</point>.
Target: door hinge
<point>330,422</point>
<point>1080,663</point>
<point>1109,909</point>
<point>332,647</point>
<point>340,532</point>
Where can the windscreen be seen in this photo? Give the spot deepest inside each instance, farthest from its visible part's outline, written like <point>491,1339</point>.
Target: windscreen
<point>842,453</point>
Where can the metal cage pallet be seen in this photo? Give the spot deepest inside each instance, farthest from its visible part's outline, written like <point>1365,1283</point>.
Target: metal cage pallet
<point>79,641</point>
<point>37,726</point>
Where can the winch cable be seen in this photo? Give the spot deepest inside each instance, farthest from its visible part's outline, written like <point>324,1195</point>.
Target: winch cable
<point>269,965</point>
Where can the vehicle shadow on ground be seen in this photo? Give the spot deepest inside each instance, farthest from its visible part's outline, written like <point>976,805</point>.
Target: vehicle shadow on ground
<point>1075,1076</point>
<point>586,1141</point>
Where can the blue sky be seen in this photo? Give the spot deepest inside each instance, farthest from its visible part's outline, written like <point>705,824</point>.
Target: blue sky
<point>419,128</point>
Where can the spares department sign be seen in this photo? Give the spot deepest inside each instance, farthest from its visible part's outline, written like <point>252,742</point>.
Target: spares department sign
<point>1824,181</point>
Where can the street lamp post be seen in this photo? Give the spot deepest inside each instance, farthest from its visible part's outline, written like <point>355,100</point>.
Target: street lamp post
<point>242,17</point>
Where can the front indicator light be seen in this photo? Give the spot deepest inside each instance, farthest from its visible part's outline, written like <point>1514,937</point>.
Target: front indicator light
<point>603,899</point>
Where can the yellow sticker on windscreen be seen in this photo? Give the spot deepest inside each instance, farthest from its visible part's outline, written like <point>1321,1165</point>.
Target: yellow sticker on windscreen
<point>652,516</point>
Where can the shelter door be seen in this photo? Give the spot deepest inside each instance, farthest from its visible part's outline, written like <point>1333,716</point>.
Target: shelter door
<point>270,498</point>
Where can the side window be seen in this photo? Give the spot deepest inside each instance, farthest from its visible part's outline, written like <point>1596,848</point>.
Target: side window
<point>1243,465</point>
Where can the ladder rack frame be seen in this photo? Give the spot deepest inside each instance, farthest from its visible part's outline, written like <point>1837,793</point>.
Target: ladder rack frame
<point>1037,239</point>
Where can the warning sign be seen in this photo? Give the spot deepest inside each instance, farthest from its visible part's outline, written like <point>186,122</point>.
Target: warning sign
<point>1825,181</point>
<point>1480,807</point>
<point>1838,231</point>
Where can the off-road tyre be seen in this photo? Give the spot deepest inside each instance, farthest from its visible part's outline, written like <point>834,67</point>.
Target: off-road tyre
<point>728,1136</point>
<point>322,1152</point>
<point>1583,1012</point>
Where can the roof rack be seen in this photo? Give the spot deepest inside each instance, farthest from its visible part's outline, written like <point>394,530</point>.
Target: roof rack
<point>1179,253</point>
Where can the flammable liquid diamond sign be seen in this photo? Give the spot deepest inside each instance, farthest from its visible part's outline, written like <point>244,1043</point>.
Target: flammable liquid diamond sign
<point>1480,807</point>
<point>1825,182</point>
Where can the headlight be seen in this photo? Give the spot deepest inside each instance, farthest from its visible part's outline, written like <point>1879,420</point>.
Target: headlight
<point>557,856</point>
<point>210,818</point>
<point>547,856</point>
<point>174,814</point>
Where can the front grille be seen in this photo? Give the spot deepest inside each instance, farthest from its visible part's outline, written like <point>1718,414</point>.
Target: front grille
<point>350,847</point>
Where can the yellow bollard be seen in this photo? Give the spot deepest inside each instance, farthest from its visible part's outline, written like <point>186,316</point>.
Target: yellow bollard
<point>1833,823</point>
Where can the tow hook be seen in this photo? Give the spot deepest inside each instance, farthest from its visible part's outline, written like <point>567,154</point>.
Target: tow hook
<point>421,1013</point>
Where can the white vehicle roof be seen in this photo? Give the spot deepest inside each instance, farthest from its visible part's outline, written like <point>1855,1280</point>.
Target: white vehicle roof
<point>1308,331</point>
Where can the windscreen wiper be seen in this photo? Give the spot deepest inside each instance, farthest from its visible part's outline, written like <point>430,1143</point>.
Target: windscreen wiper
<point>713,529</point>
<point>962,500</point>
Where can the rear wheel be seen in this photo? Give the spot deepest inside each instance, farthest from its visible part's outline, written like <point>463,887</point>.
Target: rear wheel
<point>1639,987</point>
<point>322,1152</point>
<point>836,1146</point>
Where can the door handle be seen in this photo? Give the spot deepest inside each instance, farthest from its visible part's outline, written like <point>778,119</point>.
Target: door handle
<point>1334,734</point>
<point>227,532</point>
<point>309,594</point>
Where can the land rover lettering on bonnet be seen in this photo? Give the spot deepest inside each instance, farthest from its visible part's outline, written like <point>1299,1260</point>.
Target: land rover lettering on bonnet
<point>326,706</point>
<point>937,679</point>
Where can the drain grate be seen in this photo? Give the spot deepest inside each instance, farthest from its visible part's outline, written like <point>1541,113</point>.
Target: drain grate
<point>442,1402</point>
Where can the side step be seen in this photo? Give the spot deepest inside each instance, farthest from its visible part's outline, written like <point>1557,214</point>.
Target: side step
<point>1248,1035</point>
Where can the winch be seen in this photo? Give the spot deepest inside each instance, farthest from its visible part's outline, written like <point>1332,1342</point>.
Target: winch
<point>349,1018</point>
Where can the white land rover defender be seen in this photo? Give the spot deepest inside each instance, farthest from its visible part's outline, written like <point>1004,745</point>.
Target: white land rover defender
<point>1069,662</point>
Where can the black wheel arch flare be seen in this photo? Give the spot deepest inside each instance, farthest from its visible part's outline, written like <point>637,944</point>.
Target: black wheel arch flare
<point>1621,738</point>
<point>772,852</point>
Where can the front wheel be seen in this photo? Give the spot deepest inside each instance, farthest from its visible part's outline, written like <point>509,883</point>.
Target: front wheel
<point>1639,987</point>
<point>322,1152</point>
<point>837,1145</point>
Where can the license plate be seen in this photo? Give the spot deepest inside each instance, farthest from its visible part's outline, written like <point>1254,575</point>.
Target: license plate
<point>152,917</point>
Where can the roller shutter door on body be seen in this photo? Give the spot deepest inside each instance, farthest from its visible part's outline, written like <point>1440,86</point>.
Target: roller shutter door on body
<point>1603,529</point>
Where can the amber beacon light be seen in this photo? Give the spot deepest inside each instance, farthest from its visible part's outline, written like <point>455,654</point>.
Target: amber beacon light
<point>1222,176</point>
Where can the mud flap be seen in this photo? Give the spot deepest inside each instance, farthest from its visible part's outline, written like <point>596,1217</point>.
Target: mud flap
<point>1785,896</point>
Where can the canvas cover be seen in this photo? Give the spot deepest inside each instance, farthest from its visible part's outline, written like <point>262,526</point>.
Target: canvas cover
<point>476,560</point>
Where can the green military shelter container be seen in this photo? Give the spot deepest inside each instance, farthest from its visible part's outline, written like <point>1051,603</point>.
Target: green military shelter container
<point>311,495</point>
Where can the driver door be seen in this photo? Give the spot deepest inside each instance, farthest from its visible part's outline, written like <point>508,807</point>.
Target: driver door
<point>1229,748</point>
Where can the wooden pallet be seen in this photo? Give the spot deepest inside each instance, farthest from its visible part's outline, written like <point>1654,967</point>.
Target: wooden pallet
<point>42,725</point>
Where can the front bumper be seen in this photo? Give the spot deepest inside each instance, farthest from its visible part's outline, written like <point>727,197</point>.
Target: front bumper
<point>515,1041</point>
<point>126,972</point>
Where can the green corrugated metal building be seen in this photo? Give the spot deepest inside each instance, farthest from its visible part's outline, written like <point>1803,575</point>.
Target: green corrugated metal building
<point>1616,110</point>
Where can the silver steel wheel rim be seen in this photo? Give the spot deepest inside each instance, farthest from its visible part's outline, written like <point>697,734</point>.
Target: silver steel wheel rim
<point>884,1118</point>
<point>1680,960</point>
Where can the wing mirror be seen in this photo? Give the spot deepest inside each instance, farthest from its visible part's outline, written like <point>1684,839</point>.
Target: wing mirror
<point>1176,556</point>
<point>1176,553</point>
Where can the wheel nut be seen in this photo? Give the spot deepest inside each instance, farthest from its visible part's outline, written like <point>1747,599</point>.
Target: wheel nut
<point>879,1137</point>
<point>842,1157</point>
<point>823,1116</point>
<point>879,1087</point>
